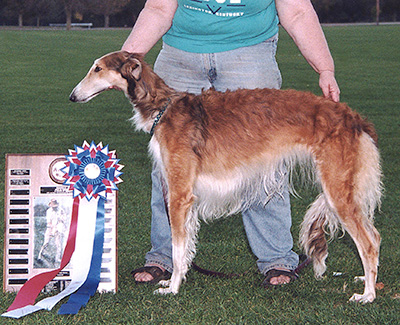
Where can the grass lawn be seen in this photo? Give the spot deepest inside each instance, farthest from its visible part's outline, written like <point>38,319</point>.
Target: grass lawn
<point>38,71</point>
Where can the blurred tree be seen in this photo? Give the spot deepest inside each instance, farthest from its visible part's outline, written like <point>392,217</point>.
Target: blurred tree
<point>390,10</point>
<point>43,8</point>
<point>124,12</point>
<point>135,7</point>
<point>106,8</point>
<point>19,8</point>
<point>345,11</point>
<point>70,6</point>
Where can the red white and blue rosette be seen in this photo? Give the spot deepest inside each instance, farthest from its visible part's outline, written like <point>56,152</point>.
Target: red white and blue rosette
<point>91,171</point>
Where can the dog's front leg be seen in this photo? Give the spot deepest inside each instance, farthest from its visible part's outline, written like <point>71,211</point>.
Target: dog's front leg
<point>181,201</point>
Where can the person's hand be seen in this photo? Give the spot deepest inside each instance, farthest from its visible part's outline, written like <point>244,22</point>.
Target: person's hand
<point>329,86</point>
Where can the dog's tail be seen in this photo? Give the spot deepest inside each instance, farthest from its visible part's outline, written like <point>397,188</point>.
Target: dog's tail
<point>318,219</point>
<point>361,195</point>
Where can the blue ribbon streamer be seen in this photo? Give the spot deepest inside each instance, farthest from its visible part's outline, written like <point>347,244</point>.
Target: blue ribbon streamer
<point>81,297</point>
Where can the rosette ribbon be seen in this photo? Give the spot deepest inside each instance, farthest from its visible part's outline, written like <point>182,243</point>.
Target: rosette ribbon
<point>91,171</point>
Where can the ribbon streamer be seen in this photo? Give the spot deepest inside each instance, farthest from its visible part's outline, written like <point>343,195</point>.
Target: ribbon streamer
<point>81,297</point>
<point>91,172</point>
<point>85,232</point>
<point>30,290</point>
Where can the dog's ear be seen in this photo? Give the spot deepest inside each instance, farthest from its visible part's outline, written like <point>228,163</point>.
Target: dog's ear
<point>132,68</point>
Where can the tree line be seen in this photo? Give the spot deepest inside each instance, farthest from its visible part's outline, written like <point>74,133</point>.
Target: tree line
<point>102,13</point>
<point>119,13</point>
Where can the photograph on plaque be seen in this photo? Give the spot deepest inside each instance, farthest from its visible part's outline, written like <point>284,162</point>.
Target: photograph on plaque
<point>52,217</point>
<point>38,209</point>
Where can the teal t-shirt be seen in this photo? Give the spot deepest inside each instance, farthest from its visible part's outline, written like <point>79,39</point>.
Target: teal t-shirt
<point>209,26</point>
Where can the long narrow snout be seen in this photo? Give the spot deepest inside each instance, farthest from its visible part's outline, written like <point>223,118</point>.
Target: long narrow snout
<point>91,86</point>
<point>86,90</point>
<point>77,97</point>
<point>82,94</point>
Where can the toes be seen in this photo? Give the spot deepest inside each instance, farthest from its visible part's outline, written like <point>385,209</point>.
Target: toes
<point>282,279</point>
<point>143,277</point>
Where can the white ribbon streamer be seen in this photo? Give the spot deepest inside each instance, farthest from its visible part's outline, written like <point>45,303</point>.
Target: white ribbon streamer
<point>80,259</point>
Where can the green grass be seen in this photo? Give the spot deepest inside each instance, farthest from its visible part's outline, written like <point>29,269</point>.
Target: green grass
<point>38,71</point>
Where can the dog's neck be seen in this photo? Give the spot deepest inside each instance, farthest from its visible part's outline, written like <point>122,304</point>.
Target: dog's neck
<point>150,97</point>
<point>159,115</point>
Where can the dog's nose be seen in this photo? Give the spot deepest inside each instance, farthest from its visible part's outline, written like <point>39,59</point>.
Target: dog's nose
<point>72,97</point>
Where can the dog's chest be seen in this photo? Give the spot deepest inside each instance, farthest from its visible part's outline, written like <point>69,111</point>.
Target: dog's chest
<point>141,123</point>
<point>155,151</point>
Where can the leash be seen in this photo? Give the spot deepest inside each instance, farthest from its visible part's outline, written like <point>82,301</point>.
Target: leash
<point>300,267</point>
<point>215,273</point>
<point>158,117</point>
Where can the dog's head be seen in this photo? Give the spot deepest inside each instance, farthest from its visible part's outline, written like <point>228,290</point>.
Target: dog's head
<point>118,70</point>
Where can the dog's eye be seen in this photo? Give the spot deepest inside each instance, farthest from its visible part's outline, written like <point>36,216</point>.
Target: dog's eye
<point>97,69</point>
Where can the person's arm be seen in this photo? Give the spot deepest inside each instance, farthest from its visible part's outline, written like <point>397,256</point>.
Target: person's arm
<point>153,22</point>
<point>300,20</point>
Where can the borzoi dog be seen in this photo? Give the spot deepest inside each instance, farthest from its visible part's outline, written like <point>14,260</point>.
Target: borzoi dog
<point>218,150</point>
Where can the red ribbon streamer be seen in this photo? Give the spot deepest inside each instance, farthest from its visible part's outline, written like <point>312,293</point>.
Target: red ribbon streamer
<point>31,289</point>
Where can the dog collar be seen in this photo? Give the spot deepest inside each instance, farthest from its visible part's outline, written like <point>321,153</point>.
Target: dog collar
<point>158,117</point>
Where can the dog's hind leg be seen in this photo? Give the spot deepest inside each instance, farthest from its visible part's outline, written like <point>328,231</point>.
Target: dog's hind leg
<point>367,240</point>
<point>351,184</point>
<point>367,194</point>
<point>360,228</point>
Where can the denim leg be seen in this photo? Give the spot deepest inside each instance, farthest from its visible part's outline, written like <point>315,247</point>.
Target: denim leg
<point>161,244</point>
<point>249,68</point>
<point>268,232</point>
<point>181,70</point>
<point>182,73</point>
<point>267,226</point>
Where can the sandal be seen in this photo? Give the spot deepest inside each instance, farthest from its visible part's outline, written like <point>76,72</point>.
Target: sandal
<point>275,273</point>
<point>155,272</point>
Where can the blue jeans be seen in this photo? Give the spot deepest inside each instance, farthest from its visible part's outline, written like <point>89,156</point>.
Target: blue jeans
<point>267,227</point>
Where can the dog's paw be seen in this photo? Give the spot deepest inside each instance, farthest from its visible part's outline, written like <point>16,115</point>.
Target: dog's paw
<point>360,278</point>
<point>365,298</point>
<point>164,283</point>
<point>165,291</point>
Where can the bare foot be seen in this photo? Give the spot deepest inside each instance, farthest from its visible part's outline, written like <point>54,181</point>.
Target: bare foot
<point>145,276</point>
<point>275,278</point>
<point>282,279</point>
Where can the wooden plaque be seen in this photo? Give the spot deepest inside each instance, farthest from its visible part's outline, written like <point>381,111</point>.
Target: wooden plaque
<point>37,217</point>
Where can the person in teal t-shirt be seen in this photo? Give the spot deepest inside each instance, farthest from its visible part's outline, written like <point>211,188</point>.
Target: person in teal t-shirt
<point>229,44</point>
<point>211,26</point>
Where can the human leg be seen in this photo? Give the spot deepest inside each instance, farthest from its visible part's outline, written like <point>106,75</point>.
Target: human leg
<point>160,254</point>
<point>252,67</point>
<point>268,231</point>
<point>181,71</point>
<point>267,226</point>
